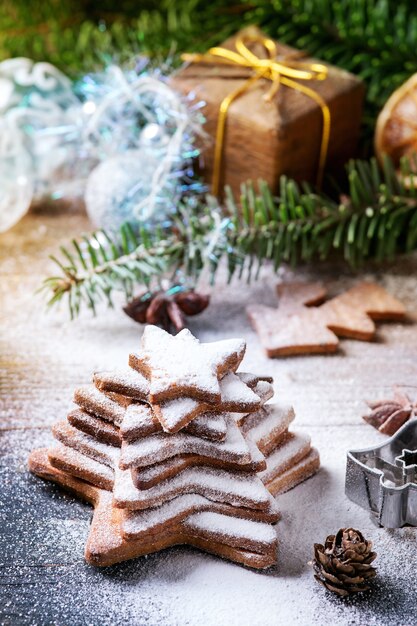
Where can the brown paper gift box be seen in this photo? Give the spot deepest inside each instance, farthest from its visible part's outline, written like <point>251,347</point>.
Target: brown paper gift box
<point>267,139</point>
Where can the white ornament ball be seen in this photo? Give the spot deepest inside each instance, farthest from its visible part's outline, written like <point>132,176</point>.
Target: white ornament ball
<point>120,189</point>
<point>16,184</point>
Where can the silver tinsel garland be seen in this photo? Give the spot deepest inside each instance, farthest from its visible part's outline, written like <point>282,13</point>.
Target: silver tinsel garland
<point>121,136</point>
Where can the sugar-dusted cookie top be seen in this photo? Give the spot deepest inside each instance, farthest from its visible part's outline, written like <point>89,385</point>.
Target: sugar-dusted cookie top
<point>235,396</point>
<point>182,366</point>
<point>126,382</point>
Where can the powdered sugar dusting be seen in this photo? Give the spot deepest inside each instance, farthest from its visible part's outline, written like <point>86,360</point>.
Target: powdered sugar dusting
<point>145,477</point>
<point>215,484</point>
<point>45,530</point>
<point>127,382</point>
<point>138,421</point>
<point>306,467</point>
<point>79,464</point>
<point>291,451</point>
<point>136,524</point>
<point>91,400</point>
<point>175,412</point>
<point>95,426</point>
<point>255,454</point>
<point>182,363</point>
<point>159,447</point>
<point>224,528</point>
<point>237,395</point>
<point>252,380</point>
<point>269,423</point>
<point>264,390</point>
<point>97,450</point>
<point>209,425</point>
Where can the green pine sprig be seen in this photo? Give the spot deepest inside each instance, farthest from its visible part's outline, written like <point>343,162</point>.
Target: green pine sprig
<point>377,219</point>
<point>375,39</point>
<point>95,266</point>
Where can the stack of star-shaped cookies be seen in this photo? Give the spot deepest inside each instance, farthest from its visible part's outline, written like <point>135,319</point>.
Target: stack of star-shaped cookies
<point>179,449</point>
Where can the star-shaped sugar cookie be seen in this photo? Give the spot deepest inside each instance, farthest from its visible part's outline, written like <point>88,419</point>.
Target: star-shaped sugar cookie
<point>182,366</point>
<point>235,396</point>
<point>215,527</point>
<point>299,327</point>
<point>125,382</point>
<point>157,448</point>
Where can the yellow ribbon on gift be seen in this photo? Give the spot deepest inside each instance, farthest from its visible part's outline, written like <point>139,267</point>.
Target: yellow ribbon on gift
<point>286,71</point>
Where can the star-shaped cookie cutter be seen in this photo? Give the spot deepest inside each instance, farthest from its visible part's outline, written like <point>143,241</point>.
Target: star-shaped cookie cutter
<point>383,479</point>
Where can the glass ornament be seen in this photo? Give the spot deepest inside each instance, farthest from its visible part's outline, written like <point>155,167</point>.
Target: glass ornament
<point>145,182</point>
<point>127,128</point>
<point>121,189</point>
<point>16,184</point>
<point>43,121</point>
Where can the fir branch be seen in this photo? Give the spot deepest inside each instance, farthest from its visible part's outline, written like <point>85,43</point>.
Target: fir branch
<point>79,37</point>
<point>375,39</point>
<point>377,220</point>
<point>93,268</point>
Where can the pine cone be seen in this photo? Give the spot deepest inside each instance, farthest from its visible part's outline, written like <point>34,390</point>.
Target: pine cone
<point>343,564</point>
<point>166,308</point>
<point>390,414</point>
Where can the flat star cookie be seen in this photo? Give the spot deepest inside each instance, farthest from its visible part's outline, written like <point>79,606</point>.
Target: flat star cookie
<point>216,527</point>
<point>235,396</point>
<point>297,327</point>
<point>182,366</point>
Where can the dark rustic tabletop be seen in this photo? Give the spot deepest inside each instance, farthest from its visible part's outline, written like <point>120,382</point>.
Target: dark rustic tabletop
<point>44,579</point>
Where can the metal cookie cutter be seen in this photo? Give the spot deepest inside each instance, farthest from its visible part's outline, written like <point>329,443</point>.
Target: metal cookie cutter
<point>383,479</point>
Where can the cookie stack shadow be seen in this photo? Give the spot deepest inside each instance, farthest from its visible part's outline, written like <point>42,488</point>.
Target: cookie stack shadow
<point>179,449</point>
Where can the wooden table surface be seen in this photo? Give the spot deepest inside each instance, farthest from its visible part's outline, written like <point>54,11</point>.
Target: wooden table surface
<point>44,579</point>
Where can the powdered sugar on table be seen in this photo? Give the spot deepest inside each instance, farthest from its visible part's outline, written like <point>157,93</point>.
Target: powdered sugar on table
<point>44,577</point>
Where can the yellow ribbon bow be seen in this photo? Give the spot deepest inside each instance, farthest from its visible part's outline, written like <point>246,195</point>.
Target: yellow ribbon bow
<point>285,71</point>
